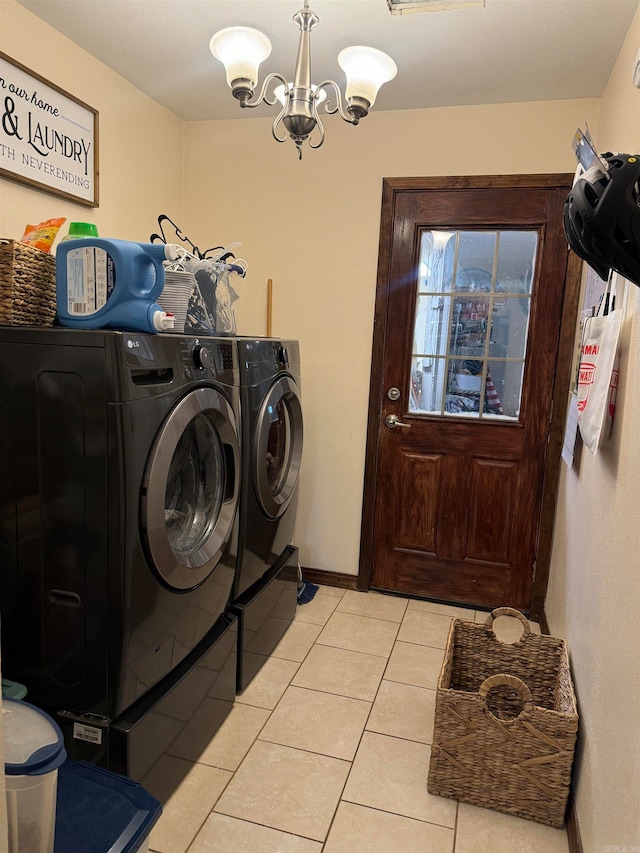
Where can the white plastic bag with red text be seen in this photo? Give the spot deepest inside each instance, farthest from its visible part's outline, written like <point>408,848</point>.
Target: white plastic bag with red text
<point>598,372</point>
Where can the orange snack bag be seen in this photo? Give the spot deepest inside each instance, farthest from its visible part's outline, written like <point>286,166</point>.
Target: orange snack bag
<point>42,236</point>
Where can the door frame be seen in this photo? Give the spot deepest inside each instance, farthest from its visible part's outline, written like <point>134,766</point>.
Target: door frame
<point>564,357</point>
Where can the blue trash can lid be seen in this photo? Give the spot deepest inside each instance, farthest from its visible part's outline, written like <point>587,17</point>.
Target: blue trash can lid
<point>33,743</point>
<point>98,810</point>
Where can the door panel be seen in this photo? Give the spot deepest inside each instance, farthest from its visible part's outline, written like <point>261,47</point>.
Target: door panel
<point>421,473</point>
<point>491,522</point>
<point>469,309</point>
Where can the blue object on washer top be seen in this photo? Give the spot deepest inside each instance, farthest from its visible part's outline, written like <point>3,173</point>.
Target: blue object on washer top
<point>101,812</point>
<point>33,742</point>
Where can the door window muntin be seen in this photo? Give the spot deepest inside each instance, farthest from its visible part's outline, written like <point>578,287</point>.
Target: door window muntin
<point>469,282</point>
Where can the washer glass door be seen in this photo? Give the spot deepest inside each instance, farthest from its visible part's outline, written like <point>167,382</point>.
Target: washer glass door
<point>190,490</point>
<point>278,447</point>
<point>195,487</point>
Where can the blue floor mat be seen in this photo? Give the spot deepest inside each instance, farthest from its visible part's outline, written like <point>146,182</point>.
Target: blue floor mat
<point>306,591</point>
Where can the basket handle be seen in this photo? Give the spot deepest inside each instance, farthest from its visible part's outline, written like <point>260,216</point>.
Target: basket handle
<point>508,611</point>
<point>511,681</point>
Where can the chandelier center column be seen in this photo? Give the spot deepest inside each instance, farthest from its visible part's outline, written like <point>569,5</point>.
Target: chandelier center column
<point>300,116</point>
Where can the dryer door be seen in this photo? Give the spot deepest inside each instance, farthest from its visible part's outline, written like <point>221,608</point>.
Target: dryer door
<point>190,489</point>
<point>277,447</point>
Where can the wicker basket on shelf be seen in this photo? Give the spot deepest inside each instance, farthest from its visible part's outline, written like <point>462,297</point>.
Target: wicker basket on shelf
<point>27,285</point>
<point>505,722</point>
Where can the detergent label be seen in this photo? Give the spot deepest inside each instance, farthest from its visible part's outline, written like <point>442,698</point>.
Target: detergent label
<point>91,279</point>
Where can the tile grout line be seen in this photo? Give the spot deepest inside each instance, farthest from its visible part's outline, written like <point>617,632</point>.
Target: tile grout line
<point>350,762</point>
<point>369,702</point>
<point>256,738</point>
<point>455,827</point>
<point>270,711</point>
<point>346,781</point>
<point>396,737</point>
<point>233,772</point>
<point>264,826</point>
<point>340,798</point>
<point>342,648</point>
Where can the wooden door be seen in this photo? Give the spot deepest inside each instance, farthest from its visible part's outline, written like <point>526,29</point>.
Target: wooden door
<point>468,320</point>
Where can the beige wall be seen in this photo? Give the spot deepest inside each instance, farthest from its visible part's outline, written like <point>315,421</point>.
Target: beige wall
<point>140,141</point>
<point>594,591</point>
<point>313,227</point>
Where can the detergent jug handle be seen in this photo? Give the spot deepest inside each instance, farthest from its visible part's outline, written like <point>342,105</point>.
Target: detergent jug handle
<point>156,253</point>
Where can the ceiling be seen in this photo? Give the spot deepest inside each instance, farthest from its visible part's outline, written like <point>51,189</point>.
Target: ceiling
<point>511,50</point>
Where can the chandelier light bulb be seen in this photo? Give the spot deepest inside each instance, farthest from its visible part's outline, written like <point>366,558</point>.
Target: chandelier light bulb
<point>366,69</point>
<point>241,50</point>
<point>280,90</point>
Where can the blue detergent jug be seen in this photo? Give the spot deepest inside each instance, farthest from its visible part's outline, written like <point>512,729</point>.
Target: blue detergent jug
<point>112,284</point>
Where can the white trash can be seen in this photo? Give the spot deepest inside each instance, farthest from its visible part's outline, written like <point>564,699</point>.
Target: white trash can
<point>34,750</point>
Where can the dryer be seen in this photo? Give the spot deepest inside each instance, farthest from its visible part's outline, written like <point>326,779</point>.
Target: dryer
<point>265,589</point>
<point>118,509</point>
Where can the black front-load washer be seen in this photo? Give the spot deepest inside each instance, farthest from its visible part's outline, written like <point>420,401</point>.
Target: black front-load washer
<point>265,588</point>
<point>120,455</point>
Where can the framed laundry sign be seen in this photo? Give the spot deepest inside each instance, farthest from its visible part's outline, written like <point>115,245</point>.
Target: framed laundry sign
<point>48,138</point>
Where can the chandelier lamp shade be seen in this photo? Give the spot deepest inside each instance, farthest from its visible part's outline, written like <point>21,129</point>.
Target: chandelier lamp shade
<point>242,49</point>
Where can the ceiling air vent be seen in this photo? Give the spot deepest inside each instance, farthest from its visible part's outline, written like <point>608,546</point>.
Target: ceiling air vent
<point>414,7</point>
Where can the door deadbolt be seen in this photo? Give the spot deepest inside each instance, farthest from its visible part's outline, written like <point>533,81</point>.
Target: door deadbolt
<point>393,393</point>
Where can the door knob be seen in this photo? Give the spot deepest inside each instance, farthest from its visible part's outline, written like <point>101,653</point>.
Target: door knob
<point>392,422</point>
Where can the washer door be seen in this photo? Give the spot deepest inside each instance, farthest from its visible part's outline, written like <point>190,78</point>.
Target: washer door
<point>277,448</point>
<point>190,489</point>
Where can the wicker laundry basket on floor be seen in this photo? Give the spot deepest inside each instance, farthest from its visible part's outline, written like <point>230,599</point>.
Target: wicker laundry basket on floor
<point>27,285</point>
<point>505,722</point>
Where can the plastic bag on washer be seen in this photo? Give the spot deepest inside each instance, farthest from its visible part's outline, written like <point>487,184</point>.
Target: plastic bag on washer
<point>211,305</point>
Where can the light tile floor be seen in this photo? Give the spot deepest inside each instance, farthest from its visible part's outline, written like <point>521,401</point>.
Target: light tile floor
<point>328,747</point>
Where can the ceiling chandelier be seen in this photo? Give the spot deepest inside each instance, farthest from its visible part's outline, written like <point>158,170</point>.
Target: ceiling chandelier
<point>242,49</point>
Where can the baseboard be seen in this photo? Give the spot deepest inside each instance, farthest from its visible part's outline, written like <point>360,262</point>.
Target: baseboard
<point>544,625</point>
<point>573,830</point>
<point>319,576</point>
<point>571,819</point>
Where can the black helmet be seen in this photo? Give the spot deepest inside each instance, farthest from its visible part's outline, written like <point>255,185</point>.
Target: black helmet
<point>601,216</point>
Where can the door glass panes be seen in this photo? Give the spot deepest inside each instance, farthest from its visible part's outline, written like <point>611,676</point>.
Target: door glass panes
<point>471,323</point>
<point>468,333</point>
<point>195,487</point>
<point>509,324</point>
<point>432,320</point>
<point>474,266</point>
<point>278,446</point>
<point>437,258</point>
